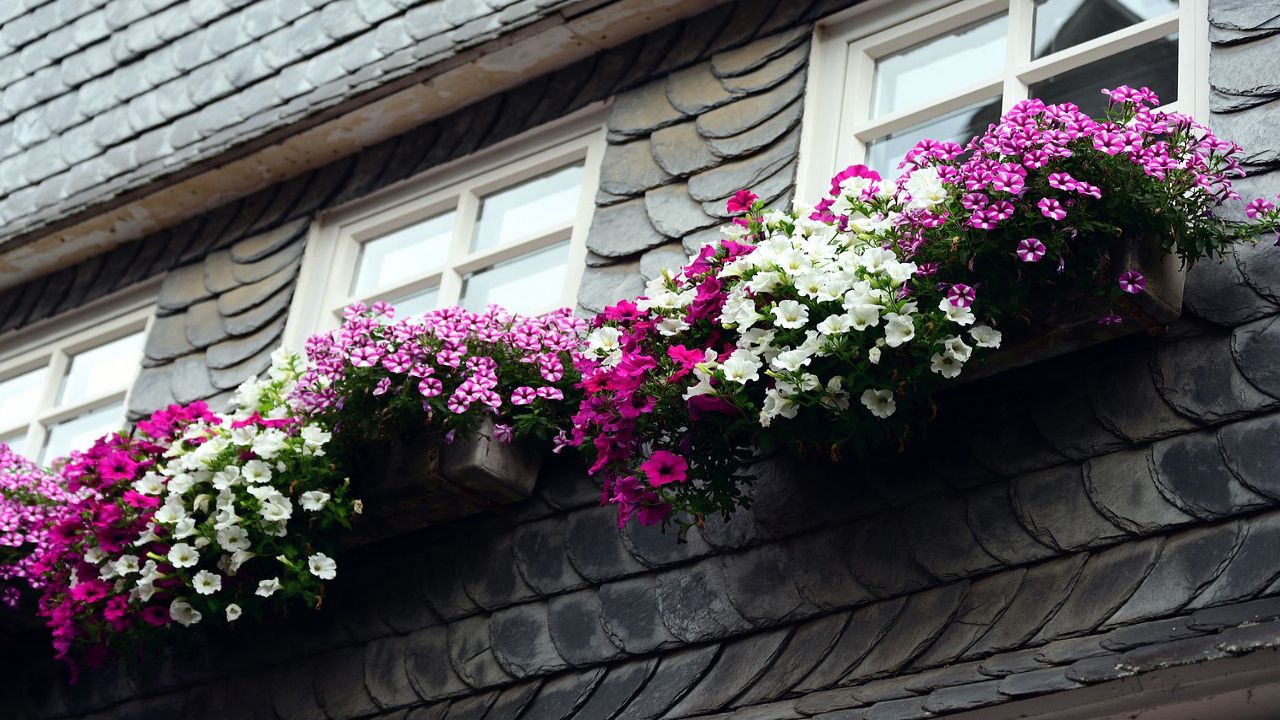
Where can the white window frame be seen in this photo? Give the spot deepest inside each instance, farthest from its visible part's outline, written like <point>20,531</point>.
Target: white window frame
<point>837,124</point>
<point>333,247</point>
<point>52,343</point>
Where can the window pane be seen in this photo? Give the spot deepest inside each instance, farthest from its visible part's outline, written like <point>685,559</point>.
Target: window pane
<point>20,397</point>
<point>79,433</point>
<point>103,369</point>
<point>961,126</point>
<point>529,209</point>
<point>416,303</point>
<point>940,66</point>
<point>403,254</point>
<point>16,440</point>
<point>524,285</point>
<point>1154,65</point>
<point>1060,24</point>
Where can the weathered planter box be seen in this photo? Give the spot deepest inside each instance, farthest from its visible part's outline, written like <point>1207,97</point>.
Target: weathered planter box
<point>1158,305</point>
<point>409,484</point>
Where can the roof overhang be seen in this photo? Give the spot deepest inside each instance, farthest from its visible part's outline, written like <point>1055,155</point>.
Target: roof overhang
<point>578,31</point>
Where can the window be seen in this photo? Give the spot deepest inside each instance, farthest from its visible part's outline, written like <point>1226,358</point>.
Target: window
<point>886,77</point>
<point>64,383</point>
<point>507,226</point>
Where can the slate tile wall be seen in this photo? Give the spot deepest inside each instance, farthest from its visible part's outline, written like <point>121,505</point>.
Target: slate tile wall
<point>1102,515</point>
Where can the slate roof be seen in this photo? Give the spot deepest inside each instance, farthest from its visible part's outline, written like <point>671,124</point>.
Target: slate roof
<point>680,146</point>
<point>102,96</point>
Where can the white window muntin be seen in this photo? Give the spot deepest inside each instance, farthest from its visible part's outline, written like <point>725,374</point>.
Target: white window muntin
<point>333,252</point>
<point>839,124</point>
<point>52,346</point>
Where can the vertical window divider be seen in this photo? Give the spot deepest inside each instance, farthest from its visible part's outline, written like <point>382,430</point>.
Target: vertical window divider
<point>468,210</point>
<point>1019,47</point>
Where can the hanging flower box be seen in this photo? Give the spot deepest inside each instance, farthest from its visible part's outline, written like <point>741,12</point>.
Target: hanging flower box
<point>1071,324</point>
<point>407,486</point>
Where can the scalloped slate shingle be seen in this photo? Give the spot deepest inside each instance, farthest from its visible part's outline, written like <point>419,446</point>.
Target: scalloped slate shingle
<point>97,98</point>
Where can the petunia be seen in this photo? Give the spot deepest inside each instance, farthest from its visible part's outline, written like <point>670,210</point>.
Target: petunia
<point>1051,209</point>
<point>1031,250</point>
<point>1132,282</point>
<point>664,467</point>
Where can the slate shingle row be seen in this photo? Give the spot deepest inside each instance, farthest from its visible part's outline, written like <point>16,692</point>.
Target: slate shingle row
<point>1017,633</point>
<point>133,90</point>
<point>679,146</point>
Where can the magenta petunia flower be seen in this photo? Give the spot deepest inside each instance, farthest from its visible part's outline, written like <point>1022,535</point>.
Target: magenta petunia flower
<point>1031,250</point>
<point>503,433</point>
<point>1257,207</point>
<point>382,387</point>
<point>664,467</point>
<point>1051,209</point>
<point>1111,319</point>
<point>961,295</point>
<point>1132,282</point>
<point>741,202</point>
<point>523,395</point>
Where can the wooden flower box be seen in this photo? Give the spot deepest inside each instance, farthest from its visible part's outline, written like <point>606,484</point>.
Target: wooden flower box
<point>1074,325</point>
<point>409,485</point>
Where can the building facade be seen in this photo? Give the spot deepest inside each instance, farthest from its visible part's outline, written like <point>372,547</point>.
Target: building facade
<point>187,185</point>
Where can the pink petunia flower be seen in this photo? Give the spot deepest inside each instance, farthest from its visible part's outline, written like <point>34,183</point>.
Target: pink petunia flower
<point>1031,250</point>
<point>961,295</point>
<point>1132,282</point>
<point>1051,209</point>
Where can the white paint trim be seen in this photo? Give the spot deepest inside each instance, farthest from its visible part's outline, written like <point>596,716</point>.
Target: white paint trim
<point>837,126</point>
<point>52,343</point>
<point>333,245</point>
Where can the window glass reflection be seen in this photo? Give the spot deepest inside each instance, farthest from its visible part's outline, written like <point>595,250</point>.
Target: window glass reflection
<point>523,285</point>
<point>403,254</point>
<point>529,209</point>
<point>100,370</point>
<point>1060,24</point>
<point>937,67</point>
<point>1154,65</point>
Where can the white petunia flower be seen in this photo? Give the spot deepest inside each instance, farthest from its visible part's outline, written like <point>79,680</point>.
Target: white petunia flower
<point>182,555</point>
<point>149,484</point>
<point>233,612</point>
<point>126,565</point>
<point>256,472</point>
<point>956,314</point>
<point>879,402</point>
<point>182,482</point>
<point>669,327</point>
<point>873,356</point>
<point>741,367</point>
<point>791,314</point>
<point>313,500</point>
<point>206,583</point>
<point>93,556</point>
<point>233,538</point>
<point>269,443</point>
<point>322,566</point>
<point>954,347</point>
<point>267,588</point>
<point>945,365</point>
<point>984,336</point>
<point>791,360</point>
<point>183,614</point>
<point>864,316</point>
<point>835,325</point>
<point>898,329</point>
<point>314,437</point>
<point>837,398</point>
<point>276,509</point>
